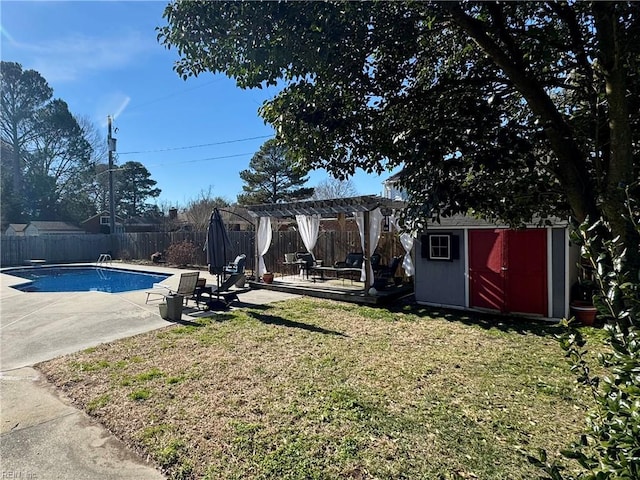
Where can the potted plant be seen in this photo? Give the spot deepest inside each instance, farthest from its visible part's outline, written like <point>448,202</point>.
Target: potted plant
<point>582,300</point>
<point>267,277</point>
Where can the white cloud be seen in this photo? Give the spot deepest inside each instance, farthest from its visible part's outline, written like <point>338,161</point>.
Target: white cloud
<point>76,56</point>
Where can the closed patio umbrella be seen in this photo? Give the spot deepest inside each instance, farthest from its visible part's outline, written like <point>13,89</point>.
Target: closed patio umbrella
<point>218,246</point>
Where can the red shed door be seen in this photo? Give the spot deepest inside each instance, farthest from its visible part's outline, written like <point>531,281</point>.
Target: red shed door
<point>526,274</point>
<point>508,270</point>
<point>486,275</point>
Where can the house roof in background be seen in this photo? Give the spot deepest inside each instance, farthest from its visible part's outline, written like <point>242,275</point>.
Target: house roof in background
<point>143,221</point>
<point>100,214</point>
<point>44,226</point>
<point>18,227</point>
<point>393,178</point>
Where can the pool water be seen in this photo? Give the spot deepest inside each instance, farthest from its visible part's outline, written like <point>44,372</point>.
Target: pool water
<point>84,279</point>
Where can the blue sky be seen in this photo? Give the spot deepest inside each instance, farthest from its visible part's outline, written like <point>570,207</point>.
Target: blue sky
<point>102,58</point>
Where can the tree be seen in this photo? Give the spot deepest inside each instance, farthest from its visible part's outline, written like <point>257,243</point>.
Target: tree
<point>273,177</point>
<point>198,210</point>
<point>97,180</point>
<point>506,110</point>
<point>334,188</point>
<point>511,110</point>
<point>24,94</point>
<point>57,165</point>
<point>134,187</point>
<point>46,156</point>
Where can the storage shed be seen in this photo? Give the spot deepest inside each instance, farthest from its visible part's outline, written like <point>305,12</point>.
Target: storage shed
<point>468,263</point>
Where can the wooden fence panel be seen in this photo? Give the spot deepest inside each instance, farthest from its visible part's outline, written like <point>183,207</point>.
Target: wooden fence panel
<point>332,246</point>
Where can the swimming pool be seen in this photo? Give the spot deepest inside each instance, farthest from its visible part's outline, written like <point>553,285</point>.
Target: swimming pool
<point>84,279</point>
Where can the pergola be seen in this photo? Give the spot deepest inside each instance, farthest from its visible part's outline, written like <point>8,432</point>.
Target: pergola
<point>368,210</point>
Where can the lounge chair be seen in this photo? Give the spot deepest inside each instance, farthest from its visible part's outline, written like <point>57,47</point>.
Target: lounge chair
<point>220,296</point>
<point>186,287</point>
<point>237,266</point>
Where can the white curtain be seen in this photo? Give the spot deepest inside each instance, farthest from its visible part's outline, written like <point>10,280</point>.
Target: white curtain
<point>375,228</point>
<point>359,216</point>
<point>264,242</point>
<point>308,226</point>
<point>406,239</point>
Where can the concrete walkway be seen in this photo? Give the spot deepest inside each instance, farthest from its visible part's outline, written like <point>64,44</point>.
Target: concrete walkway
<point>42,436</point>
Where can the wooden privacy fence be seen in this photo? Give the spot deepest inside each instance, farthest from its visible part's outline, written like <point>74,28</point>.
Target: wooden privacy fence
<point>331,246</point>
<point>140,246</point>
<point>53,248</point>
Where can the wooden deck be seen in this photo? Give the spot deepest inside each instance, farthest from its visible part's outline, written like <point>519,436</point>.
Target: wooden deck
<point>342,290</point>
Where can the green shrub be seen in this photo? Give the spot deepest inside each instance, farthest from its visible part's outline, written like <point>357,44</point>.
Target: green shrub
<point>610,447</point>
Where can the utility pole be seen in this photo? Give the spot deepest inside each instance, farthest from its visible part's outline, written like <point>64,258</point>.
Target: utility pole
<point>111,143</point>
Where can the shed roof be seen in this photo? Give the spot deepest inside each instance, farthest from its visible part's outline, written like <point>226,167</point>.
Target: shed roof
<point>332,207</point>
<point>460,220</point>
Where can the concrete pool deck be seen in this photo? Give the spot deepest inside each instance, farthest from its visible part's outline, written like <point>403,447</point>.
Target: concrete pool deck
<point>42,436</point>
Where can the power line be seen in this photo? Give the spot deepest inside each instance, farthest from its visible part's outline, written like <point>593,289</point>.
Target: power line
<point>197,146</point>
<point>173,94</point>
<point>200,160</point>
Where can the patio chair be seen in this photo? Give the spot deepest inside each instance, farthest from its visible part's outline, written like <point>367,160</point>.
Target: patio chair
<point>186,287</point>
<point>237,266</point>
<point>352,260</point>
<point>375,262</point>
<point>306,262</point>
<point>386,273</point>
<point>290,262</point>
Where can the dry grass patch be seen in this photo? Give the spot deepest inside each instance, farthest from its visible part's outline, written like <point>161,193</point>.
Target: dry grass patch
<point>317,389</point>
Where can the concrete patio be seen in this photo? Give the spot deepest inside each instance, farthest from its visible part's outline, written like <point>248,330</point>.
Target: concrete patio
<point>41,434</point>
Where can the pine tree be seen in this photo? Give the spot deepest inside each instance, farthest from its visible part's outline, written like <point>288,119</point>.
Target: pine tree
<point>273,177</point>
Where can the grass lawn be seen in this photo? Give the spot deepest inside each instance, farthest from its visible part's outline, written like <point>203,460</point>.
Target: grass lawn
<point>317,389</point>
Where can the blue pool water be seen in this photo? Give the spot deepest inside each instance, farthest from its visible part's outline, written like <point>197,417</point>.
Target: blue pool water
<point>84,279</point>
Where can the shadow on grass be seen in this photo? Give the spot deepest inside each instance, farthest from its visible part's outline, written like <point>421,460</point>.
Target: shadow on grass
<point>282,322</point>
<point>504,323</point>
<point>257,312</point>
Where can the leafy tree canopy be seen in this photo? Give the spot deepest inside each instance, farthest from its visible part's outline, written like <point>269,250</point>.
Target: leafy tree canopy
<point>273,177</point>
<point>510,110</point>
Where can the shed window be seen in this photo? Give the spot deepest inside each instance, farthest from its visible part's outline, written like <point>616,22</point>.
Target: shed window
<point>104,221</point>
<point>439,247</point>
